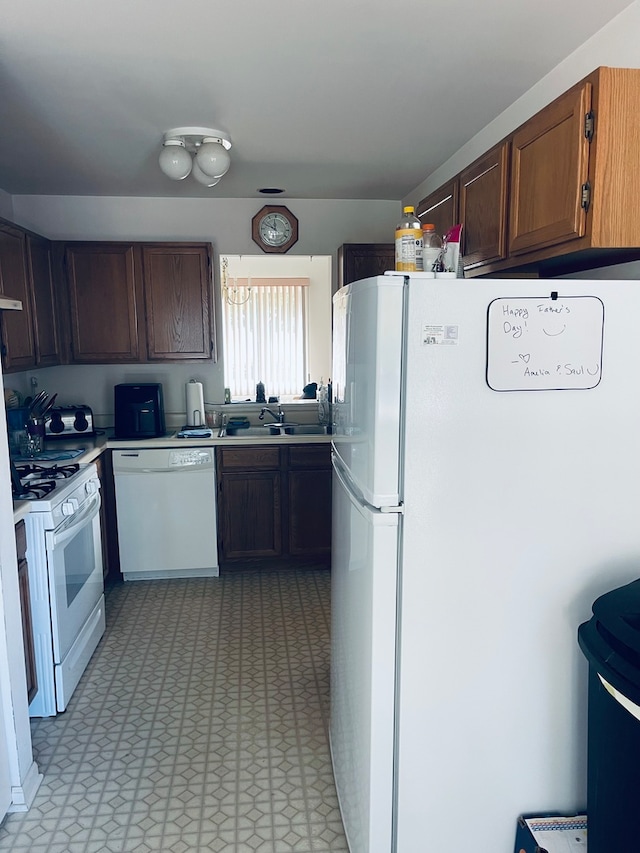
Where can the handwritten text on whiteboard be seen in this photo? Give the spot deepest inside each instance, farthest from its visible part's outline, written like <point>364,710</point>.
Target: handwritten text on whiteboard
<point>536,344</point>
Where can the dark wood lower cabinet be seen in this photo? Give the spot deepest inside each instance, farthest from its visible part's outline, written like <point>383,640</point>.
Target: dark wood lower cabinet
<point>25,605</point>
<point>108,523</point>
<point>274,502</point>
<point>309,500</point>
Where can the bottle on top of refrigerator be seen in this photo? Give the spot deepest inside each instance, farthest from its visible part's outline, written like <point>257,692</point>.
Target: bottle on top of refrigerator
<point>431,247</point>
<point>408,241</point>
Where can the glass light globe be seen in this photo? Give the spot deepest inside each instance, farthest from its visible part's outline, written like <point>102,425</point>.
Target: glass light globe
<point>213,159</point>
<point>200,176</point>
<point>175,161</point>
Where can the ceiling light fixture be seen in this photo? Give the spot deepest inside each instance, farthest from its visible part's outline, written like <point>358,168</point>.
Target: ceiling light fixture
<point>199,151</point>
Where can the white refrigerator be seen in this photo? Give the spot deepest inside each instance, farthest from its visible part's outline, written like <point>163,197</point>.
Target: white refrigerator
<point>486,457</point>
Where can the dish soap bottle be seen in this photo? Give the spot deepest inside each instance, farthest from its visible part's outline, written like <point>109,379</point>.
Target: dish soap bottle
<point>260,397</point>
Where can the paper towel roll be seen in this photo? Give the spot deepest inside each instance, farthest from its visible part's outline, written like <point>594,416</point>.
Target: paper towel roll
<point>195,403</point>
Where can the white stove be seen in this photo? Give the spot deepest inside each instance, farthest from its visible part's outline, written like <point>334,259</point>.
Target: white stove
<point>64,554</point>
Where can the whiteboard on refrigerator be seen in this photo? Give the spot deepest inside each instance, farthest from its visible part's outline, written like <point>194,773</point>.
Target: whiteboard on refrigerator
<point>543,344</point>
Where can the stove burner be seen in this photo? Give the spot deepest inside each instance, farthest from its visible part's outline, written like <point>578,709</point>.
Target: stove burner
<point>35,491</point>
<point>34,482</point>
<point>49,472</point>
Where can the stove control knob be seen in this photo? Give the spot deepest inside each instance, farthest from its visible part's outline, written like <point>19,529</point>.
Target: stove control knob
<point>90,487</point>
<point>70,506</point>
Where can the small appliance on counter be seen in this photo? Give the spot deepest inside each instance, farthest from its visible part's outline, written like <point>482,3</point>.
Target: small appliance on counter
<point>70,421</point>
<point>139,410</point>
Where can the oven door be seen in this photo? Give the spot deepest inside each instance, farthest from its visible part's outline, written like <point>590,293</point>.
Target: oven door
<point>74,559</point>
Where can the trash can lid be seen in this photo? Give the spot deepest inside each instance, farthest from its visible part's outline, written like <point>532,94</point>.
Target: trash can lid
<point>619,612</point>
<point>610,640</point>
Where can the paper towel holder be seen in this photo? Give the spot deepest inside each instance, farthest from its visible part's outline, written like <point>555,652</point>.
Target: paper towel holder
<point>195,404</point>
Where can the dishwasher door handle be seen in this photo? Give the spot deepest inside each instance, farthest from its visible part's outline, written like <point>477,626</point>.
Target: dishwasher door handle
<point>175,469</point>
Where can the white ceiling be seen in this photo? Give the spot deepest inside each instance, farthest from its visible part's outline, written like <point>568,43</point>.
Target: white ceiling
<point>332,99</point>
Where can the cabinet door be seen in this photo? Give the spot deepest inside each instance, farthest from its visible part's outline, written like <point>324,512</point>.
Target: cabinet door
<point>249,501</point>
<point>102,302</point>
<point>441,207</point>
<point>250,514</point>
<point>108,522</point>
<point>45,324</point>
<point>483,207</point>
<point>363,260</point>
<point>16,326</point>
<point>25,606</point>
<point>549,165</point>
<point>310,513</point>
<point>308,507</point>
<point>177,288</point>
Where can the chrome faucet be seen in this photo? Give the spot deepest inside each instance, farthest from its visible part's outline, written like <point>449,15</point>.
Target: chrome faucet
<point>279,417</point>
<point>223,426</point>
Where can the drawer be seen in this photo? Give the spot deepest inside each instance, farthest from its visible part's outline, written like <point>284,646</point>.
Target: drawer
<point>248,458</point>
<point>310,456</point>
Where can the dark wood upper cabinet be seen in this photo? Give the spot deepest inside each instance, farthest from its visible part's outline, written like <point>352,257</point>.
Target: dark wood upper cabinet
<point>363,260</point>
<point>549,166</point>
<point>177,288</point>
<point>102,283</point>
<point>572,186</point>
<point>136,302</point>
<point>441,207</point>
<point>16,327</point>
<point>483,207</point>
<point>45,324</point>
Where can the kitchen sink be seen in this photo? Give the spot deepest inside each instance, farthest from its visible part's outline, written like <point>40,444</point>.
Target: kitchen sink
<point>247,432</point>
<point>306,429</point>
<point>271,430</point>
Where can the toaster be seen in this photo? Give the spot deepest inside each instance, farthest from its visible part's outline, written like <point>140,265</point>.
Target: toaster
<point>69,421</point>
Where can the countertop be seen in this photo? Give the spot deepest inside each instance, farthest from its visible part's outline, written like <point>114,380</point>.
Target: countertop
<point>94,446</point>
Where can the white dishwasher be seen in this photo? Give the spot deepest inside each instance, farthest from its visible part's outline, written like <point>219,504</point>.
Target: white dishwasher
<point>166,512</point>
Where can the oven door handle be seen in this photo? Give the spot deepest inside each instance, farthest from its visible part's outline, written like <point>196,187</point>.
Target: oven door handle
<point>75,524</point>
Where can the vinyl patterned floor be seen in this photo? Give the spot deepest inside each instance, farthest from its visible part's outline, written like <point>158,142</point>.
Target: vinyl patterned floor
<point>200,724</point>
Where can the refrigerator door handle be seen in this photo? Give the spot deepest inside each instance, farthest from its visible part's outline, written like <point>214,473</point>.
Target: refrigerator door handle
<point>349,487</point>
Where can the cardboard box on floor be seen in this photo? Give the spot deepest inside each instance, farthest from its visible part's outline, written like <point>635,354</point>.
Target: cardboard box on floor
<point>551,833</point>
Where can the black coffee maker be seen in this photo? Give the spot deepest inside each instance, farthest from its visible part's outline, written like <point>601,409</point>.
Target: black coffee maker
<point>139,410</point>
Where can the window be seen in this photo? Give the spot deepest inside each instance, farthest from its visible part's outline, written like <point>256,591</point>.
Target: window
<point>265,329</point>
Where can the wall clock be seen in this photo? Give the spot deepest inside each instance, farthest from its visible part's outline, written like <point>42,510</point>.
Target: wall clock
<point>274,228</point>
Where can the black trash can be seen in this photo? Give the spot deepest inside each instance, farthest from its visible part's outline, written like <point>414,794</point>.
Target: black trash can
<point>610,640</point>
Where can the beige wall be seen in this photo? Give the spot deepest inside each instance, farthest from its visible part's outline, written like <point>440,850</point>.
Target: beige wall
<point>324,223</point>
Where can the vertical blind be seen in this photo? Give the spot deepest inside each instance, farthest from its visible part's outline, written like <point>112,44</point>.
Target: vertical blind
<point>265,335</point>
